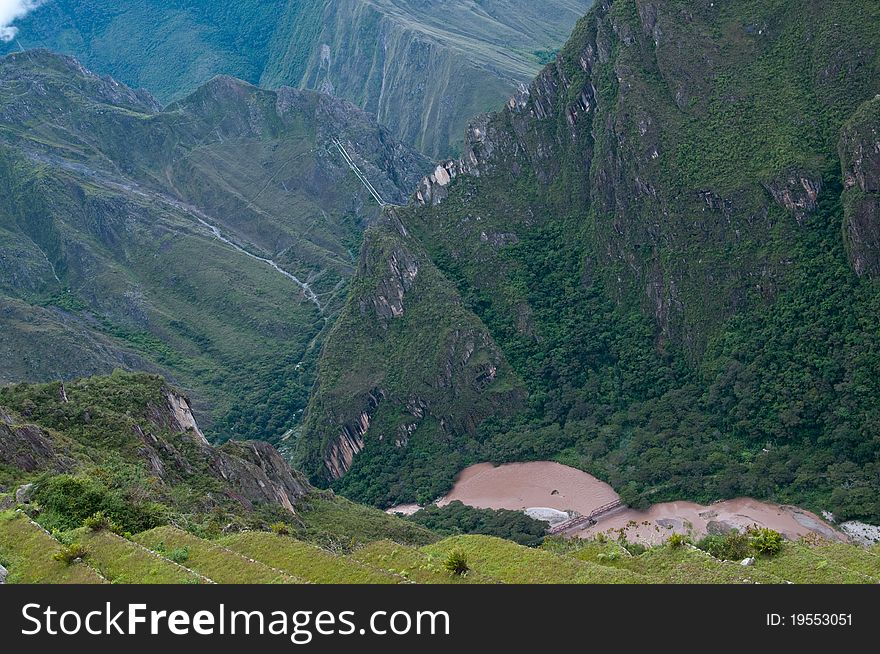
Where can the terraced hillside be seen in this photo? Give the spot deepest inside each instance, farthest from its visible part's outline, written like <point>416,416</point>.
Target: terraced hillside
<point>169,555</point>
<point>423,68</point>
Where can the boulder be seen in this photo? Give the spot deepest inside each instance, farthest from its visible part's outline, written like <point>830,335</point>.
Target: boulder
<point>719,527</point>
<point>23,494</point>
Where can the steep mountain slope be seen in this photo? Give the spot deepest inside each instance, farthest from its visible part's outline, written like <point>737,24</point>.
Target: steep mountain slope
<point>129,446</point>
<point>420,66</point>
<point>670,237</point>
<point>212,241</point>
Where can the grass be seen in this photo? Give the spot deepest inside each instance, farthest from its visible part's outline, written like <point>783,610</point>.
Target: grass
<point>801,564</point>
<point>340,520</point>
<point>688,565</point>
<point>214,561</point>
<point>515,564</point>
<point>412,564</point>
<point>303,560</point>
<point>125,562</point>
<point>27,551</point>
<point>850,557</point>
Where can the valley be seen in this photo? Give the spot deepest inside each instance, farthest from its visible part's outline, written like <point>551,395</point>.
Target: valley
<point>652,265</point>
<point>421,68</point>
<point>404,291</point>
<point>211,242</point>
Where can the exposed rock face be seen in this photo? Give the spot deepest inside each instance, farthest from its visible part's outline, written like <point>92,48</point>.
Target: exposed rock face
<point>798,192</point>
<point>343,450</point>
<point>398,299</point>
<point>387,302</point>
<point>182,416</point>
<point>259,474</point>
<point>165,439</point>
<point>29,448</point>
<point>254,470</point>
<point>860,159</point>
<point>23,494</point>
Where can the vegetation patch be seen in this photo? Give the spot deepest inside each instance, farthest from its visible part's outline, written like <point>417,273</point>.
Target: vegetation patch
<point>303,560</point>
<point>29,554</point>
<point>210,559</point>
<point>123,562</point>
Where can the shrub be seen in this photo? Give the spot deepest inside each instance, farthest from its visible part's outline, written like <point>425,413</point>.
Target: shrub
<point>178,554</point>
<point>633,548</point>
<point>765,541</point>
<point>732,546</point>
<point>457,563</point>
<point>70,553</point>
<point>457,518</point>
<point>280,528</point>
<point>677,540</point>
<point>100,521</point>
<point>67,501</point>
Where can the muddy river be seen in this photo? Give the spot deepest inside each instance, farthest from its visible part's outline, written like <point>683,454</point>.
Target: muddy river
<point>545,488</point>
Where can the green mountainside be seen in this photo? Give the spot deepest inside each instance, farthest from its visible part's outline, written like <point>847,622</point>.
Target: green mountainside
<point>129,447</point>
<point>421,67</point>
<point>664,256</point>
<point>211,241</point>
<point>110,480</point>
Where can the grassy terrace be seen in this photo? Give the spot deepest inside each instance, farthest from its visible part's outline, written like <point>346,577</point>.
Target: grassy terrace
<point>856,559</point>
<point>26,550</point>
<point>214,561</point>
<point>124,562</point>
<point>415,565</point>
<point>511,563</point>
<point>688,565</point>
<point>801,564</point>
<point>344,520</point>
<point>305,561</point>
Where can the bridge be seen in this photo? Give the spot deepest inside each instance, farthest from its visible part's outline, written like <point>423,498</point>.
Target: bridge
<point>585,520</point>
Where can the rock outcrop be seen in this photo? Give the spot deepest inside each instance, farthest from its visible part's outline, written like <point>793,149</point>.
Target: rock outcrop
<point>860,160</point>
<point>152,427</point>
<point>30,448</point>
<point>385,379</point>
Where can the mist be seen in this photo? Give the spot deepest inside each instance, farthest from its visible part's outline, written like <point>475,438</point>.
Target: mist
<point>11,11</point>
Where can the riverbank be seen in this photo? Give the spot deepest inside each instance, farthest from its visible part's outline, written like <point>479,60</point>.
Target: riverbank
<point>552,489</point>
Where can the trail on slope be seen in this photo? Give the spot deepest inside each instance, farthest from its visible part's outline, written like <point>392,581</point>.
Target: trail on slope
<point>360,175</point>
<point>203,219</point>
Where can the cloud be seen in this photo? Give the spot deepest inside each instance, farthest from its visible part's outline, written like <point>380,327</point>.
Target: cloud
<point>11,11</point>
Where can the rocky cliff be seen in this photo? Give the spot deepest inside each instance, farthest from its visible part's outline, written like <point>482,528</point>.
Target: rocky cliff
<point>384,388</point>
<point>129,428</point>
<point>860,158</point>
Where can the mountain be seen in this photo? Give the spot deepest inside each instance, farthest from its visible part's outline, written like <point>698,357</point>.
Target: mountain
<point>422,67</point>
<point>110,480</point>
<point>657,263</point>
<point>211,241</point>
<point>128,446</point>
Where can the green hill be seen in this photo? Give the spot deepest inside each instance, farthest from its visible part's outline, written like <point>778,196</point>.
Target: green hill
<point>212,241</point>
<point>657,264</point>
<point>422,68</point>
<point>168,555</point>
